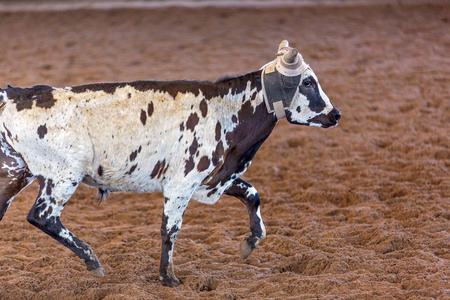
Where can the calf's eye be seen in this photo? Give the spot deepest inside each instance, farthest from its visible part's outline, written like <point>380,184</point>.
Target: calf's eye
<point>307,83</point>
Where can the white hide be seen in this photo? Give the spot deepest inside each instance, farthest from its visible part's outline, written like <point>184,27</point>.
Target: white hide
<point>306,114</point>
<point>263,228</point>
<point>93,128</point>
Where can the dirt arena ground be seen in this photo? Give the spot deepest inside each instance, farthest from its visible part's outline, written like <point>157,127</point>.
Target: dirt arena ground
<point>360,211</point>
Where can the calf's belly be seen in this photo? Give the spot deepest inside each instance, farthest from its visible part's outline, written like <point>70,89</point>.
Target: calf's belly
<point>125,184</point>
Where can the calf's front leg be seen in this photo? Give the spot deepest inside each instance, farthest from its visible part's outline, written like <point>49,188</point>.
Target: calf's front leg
<point>174,208</point>
<point>245,192</point>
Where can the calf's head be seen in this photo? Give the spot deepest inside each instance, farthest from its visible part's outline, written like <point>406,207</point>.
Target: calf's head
<point>292,90</point>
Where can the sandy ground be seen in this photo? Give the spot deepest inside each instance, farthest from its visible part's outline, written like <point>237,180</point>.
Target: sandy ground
<point>360,211</point>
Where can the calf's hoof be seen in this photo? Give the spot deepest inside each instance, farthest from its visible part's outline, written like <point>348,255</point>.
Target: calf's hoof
<point>97,272</point>
<point>246,248</point>
<point>170,282</point>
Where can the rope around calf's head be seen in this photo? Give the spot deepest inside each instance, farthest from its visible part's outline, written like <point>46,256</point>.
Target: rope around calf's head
<point>277,95</point>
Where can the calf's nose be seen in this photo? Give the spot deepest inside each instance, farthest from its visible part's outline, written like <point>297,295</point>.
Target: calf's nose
<point>336,115</point>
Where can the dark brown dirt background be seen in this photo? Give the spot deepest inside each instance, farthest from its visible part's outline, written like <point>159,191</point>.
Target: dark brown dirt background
<point>360,211</point>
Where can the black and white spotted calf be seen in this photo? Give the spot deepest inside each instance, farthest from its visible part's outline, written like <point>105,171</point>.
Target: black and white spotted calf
<point>187,139</point>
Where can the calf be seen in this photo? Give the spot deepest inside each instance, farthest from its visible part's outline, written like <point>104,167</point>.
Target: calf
<point>188,139</point>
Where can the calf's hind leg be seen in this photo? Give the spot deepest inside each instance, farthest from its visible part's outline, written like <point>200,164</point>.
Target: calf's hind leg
<point>45,213</point>
<point>245,192</point>
<point>14,175</point>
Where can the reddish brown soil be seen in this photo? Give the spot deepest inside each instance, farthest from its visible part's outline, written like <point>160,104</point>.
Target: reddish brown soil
<point>360,211</point>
